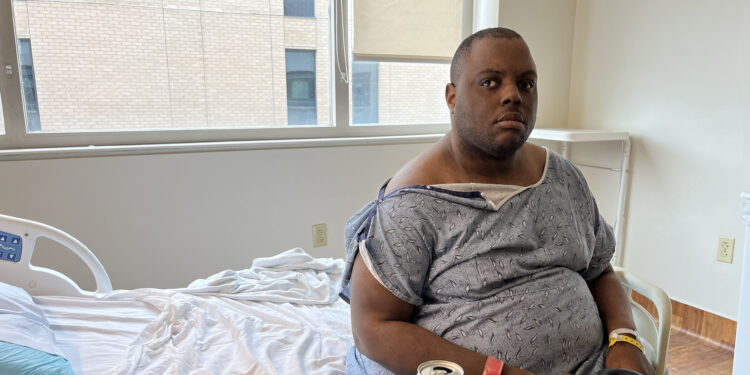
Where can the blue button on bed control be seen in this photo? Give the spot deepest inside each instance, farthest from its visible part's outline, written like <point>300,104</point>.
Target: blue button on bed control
<point>10,247</point>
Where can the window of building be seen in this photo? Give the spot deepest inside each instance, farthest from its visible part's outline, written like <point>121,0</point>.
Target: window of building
<point>299,8</point>
<point>364,92</point>
<point>300,87</point>
<point>28,85</point>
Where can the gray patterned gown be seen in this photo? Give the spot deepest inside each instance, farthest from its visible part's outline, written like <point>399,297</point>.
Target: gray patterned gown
<point>505,278</point>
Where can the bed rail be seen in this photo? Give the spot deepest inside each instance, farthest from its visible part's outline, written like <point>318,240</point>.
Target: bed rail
<point>17,240</point>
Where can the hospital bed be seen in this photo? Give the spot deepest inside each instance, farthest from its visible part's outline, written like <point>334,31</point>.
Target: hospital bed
<point>280,316</point>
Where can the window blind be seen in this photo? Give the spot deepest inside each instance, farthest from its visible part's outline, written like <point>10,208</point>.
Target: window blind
<point>407,30</point>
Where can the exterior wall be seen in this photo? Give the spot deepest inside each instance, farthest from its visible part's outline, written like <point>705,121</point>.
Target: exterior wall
<point>98,71</point>
<point>413,93</point>
<point>117,64</point>
<point>136,64</point>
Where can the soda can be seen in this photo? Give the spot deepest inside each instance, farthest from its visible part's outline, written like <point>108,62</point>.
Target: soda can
<point>439,368</point>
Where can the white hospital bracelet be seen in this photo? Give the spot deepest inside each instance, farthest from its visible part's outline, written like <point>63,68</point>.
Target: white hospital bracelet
<point>626,331</point>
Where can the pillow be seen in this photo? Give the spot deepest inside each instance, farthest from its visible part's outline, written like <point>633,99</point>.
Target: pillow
<point>27,344</point>
<point>22,360</point>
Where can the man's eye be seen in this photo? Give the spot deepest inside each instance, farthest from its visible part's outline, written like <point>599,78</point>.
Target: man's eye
<point>488,83</point>
<point>527,85</point>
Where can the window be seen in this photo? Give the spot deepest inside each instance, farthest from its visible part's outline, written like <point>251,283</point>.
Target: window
<point>414,42</point>
<point>28,85</point>
<point>400,93</point>
<point>299,8</point>
<point>134,66</point>
<point>144,72</point>
<point>300,87</point>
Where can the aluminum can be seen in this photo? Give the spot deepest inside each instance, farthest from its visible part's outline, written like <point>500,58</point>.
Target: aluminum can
<point>439,368</point>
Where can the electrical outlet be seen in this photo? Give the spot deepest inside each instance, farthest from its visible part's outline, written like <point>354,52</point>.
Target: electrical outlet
<point>726,249</point>
<point>319,235</point>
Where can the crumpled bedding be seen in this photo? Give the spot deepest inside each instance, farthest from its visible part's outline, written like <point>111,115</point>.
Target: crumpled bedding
<point>280,316</point>
<point>292,276</point>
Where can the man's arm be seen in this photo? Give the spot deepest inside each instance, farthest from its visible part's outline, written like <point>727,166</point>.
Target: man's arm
<point>614,309</point>
<point>383,332</point>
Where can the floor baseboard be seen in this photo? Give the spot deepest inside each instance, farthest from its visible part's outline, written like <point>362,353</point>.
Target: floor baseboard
<point>717,330</point>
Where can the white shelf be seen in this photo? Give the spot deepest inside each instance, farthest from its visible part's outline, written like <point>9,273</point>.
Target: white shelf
<point>567,136</point>
<point>578,135</point>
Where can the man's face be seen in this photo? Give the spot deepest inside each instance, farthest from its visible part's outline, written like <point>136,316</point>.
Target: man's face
<point>493,102</point>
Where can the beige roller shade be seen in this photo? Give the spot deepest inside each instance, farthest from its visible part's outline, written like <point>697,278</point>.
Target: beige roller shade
<point>407,30</point>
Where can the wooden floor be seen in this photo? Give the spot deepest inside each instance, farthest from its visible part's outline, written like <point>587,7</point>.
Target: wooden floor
<point>690,355</point>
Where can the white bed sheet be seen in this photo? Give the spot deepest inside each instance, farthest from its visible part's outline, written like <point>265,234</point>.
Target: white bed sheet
<point>94,334</point>
<point>281,316</point>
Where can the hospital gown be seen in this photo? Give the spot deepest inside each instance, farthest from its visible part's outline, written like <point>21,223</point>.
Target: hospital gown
<point>501,270</point>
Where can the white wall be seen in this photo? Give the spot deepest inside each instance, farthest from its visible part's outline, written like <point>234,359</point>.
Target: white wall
<point>165,220</point>
<point>675,75</point>
<point>547,27</point>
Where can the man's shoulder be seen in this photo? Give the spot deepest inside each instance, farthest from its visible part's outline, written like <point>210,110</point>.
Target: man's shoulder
<point>408,176</point>
<point>423,170</point>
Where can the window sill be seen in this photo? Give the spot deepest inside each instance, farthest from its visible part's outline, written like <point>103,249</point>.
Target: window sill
<point>174,148</point>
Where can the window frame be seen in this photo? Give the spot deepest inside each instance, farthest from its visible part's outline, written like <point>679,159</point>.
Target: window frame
<point>17,140</point>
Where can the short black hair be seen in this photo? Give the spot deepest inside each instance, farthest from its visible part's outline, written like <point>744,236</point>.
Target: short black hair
<point>465,47</point>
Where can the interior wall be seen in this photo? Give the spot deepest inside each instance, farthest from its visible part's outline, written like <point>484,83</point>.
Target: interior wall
<point>165,220</point>
<point>674,74</point>
<point>547,27</point>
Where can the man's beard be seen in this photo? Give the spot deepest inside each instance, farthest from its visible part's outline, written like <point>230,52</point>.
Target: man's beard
<point>476,143</point>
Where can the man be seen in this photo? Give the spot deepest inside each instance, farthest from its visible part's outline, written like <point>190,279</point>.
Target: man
<point>485,250</point>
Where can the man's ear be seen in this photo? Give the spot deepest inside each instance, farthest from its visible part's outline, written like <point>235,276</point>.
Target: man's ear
<point>450,96</point>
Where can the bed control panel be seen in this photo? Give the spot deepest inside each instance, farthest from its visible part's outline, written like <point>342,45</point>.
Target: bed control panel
<point>10,247</point>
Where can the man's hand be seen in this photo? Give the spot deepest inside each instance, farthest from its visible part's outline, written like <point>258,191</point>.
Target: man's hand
<point>614,308</point>
<point>624,355</point>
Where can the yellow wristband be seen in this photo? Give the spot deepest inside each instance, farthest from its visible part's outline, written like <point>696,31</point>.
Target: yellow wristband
<point>613,339</point>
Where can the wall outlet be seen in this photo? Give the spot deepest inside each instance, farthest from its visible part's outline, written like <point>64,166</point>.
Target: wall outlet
<point>320,238</point>
<point>726,249</point>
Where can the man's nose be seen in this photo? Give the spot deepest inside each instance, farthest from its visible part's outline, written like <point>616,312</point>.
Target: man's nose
<point>510,94</point>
